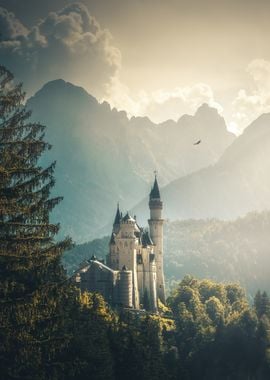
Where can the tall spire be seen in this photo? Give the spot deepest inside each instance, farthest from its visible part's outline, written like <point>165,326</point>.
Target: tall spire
<point>117,216</point>
<point>155,194</point>
<point>156,235</point>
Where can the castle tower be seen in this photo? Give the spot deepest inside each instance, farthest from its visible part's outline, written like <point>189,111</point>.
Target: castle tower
<point>156,232</point>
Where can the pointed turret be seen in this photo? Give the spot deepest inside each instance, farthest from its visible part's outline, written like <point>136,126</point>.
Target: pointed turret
<point>156,235</point>
<point>155,194</point>
<point>155,203</point>
<point>117,220</point>
<point>117,216</point>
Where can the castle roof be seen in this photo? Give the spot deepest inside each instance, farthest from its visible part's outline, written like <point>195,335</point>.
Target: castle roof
<point>117,218</point>
<point>100,265</point>
<point>127,217</point>
<point>146,239</point>
<point>112,240</point>
<point>155,194</point>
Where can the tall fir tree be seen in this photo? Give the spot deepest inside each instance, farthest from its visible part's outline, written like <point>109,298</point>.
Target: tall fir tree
<point>33,288</point>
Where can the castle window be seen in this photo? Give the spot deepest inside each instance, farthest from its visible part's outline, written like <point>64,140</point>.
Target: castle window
<point>139,259</point>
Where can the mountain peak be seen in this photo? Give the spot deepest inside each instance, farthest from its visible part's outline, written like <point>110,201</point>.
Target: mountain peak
<point>205,109</point>
<point>59,87</point>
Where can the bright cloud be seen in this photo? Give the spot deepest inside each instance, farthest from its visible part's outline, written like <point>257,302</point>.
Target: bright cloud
<point>68,44</point>
<point>249,104</point>
<point>162,105</point>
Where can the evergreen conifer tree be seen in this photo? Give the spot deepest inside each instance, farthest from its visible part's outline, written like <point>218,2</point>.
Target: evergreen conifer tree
<point>33,289</point>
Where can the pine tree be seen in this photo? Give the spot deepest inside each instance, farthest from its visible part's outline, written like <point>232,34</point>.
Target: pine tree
<point>33,288</point>
<point>93,330</point>
<point>258,303</point>
<point>262,304</point>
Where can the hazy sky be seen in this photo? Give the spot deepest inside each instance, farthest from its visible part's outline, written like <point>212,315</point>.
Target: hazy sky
<point>150,57</point>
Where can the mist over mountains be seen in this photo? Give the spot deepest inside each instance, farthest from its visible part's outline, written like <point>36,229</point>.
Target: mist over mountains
<point>104,157</point>
<point>237,184</point>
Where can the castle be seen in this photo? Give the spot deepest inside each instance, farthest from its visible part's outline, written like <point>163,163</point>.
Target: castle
<point>133,275</point>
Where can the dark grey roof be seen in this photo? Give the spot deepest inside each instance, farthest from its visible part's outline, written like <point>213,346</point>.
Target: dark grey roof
<point>155,194</point>
<point>96,263</point>
<point>112,240</point>
<point>146,239</point>
<point>117,218</point>
<point>128,217</point>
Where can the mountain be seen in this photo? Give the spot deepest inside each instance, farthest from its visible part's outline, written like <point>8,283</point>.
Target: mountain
<point>104,157</point>
<point>230,251</point>
<point>237,184</point>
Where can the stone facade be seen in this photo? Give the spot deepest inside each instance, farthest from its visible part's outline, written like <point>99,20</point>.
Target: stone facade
<point>133,274</point>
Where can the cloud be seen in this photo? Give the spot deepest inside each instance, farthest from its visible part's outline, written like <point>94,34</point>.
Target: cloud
<point>11,28</point>
<point>68,44</point>
<point>259,69</point>
<point>249,104</point>
<point>181,100</point>
<point>162,104</point>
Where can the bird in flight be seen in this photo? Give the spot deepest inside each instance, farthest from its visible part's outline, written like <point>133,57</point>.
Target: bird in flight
<point>197,142</point>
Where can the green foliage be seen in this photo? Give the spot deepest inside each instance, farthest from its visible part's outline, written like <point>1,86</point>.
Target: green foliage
<point>90,346</point>
<point>262,304</point>
<point>140,347</point>
<point>218,335</point>
<point>33,288</point>
<point>224,251</point>
<point>230,251</point>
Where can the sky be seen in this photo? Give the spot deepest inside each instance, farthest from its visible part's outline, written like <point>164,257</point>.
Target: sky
<point>152,58</point>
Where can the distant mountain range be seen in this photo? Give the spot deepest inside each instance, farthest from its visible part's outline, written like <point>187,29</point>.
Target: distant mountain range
<point>237,184</point>
<point>104,157</point>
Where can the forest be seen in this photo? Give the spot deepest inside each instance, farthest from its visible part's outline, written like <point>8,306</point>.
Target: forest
<point>49,330</point>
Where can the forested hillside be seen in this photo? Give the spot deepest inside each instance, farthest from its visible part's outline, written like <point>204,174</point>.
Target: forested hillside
<point>222,250</point>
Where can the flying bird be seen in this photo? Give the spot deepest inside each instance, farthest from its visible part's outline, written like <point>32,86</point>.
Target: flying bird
<point>197,142</point>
